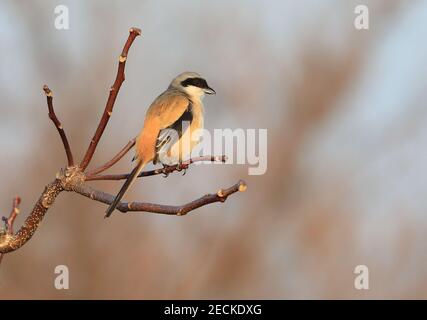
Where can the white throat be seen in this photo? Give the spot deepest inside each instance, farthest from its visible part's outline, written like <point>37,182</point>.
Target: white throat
<point>195,93</point>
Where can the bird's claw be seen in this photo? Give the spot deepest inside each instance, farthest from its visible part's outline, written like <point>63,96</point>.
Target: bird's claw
<point>179,167</point>
<point>165,171</point>
<point>182,167</point>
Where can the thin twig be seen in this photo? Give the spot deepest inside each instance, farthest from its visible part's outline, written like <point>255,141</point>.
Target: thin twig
<point>58,125</point>
<point>113,161</point>
<point>10,221</point>
<point>166,170</point>
<point>120,77</point>
<point>124,207</point>
<point>13,214</point>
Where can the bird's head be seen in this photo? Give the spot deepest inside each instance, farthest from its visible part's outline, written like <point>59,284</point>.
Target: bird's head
<point>193,84</point>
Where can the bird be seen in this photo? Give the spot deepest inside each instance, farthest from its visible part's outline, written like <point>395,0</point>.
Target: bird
<point>171,128</point>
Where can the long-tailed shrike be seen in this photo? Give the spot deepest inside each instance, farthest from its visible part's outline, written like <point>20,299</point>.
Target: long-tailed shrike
<point>170,127</point>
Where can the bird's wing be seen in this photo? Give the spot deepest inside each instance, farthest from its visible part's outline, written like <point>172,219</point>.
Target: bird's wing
<point>167,109</point>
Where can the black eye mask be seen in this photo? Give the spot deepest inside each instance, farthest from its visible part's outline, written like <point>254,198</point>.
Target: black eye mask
<point>196,82</point>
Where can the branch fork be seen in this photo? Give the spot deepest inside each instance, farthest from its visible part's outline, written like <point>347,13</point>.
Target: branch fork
<point>74,177</point>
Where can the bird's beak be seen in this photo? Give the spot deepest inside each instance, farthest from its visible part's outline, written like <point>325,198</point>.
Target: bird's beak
<point>209,90</point>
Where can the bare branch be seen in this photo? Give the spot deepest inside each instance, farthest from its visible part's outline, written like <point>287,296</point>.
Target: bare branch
<point>58,125</point>
<point>166,170</point>
<point>11,242</point>
<point>113,161</point>
<point>124,207</point>
<point>120,77</point>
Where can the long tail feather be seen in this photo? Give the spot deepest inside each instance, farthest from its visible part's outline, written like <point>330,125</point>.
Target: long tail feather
<point>132,177</point>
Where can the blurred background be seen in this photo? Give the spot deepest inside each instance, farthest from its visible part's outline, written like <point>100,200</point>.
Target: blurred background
<point>345,112</point>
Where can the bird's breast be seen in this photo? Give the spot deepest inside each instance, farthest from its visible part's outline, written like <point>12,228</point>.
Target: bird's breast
<point>189,139</point>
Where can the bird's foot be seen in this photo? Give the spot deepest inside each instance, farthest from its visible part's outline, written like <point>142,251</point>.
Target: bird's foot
<point>182,167</point>
<point>166,170</point>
